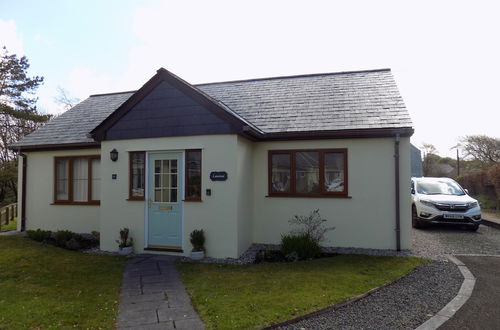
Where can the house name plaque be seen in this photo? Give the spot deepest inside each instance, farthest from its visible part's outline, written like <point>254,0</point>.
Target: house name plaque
<point>218,176</point>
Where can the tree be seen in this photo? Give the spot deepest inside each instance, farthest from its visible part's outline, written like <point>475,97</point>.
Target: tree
<point>482,148</point>
<point>18,115</point>
<point>430,159</point>
<point>65,99</point>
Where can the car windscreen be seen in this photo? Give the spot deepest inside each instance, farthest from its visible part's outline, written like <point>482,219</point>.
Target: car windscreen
<point>439,188</point>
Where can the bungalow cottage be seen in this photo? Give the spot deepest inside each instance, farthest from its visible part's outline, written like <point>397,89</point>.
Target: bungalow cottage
<point>237,159</point>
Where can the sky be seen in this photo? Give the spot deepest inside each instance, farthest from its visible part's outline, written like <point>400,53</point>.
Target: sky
<point>444,55</point>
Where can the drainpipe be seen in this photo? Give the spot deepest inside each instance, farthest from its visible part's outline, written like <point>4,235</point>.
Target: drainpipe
<point>398,217</point>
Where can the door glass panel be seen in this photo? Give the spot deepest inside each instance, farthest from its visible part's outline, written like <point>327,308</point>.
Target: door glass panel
<point>173,165</point>
<point>166,181</point>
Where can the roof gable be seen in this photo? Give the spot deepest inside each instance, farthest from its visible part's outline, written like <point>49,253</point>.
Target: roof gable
<point>168,106</point>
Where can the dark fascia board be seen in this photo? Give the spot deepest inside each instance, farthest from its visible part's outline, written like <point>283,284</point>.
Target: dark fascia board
<point>99,133</point>
<point>340,134</point>
<point>62,146</point>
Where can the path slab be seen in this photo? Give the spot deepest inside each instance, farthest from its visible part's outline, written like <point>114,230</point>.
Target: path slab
<point>154,297</point>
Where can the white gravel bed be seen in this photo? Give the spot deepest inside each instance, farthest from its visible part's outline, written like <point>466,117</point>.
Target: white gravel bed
<point>404,304</point>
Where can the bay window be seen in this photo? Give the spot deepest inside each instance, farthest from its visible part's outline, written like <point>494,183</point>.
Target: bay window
<point>308,173</point>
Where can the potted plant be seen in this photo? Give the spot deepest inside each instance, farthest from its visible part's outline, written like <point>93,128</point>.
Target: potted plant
<point>125,243</point>
<point>197,239</point>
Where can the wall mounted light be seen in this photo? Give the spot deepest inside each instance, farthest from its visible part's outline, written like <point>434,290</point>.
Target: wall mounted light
<point>113,155</point>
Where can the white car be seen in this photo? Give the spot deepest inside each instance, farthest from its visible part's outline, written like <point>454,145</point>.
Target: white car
<point>442,200</point>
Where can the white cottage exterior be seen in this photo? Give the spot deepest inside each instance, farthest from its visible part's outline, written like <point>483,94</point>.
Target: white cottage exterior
<point>236,159</point>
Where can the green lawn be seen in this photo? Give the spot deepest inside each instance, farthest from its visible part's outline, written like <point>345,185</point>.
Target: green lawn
<point>11,226</point>
<point>45,287</point>
<point>254,296</point>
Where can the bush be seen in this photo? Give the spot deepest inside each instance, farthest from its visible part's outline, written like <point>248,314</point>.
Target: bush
<point>124,240</point>
<point>96,234</point>
<point>197,239</point>
<point>299,247</point>
<point>39,235</point>
<point>62,237</point>
<point>311,226</point>
<point>73,244</point>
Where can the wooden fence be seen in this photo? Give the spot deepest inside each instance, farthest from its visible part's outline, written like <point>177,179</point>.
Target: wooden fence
<point>7,214</point>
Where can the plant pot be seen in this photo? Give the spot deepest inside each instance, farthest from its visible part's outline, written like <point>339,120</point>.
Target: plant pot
<point>197,255</point>
<point>125,251</point>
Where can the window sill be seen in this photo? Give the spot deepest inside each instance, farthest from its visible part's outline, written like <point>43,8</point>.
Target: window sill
<point>311,196</point>
<point>135,199</point>
<point>77,203</point>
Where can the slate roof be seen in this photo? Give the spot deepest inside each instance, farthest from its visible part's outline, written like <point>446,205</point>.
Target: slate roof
<point>317,102</point>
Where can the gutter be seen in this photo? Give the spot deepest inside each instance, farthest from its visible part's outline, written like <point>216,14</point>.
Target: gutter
<point>397,201</point>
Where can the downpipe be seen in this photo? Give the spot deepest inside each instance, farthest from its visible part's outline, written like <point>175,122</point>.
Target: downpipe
<point>397,201</point>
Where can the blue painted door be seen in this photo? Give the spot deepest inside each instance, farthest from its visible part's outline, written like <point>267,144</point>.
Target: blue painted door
<point>165,193</point>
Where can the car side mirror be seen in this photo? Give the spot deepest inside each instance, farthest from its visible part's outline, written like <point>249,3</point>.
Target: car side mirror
<point>413,191</point>
<point>466,191</point>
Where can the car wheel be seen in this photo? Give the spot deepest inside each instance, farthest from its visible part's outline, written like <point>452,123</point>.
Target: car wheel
<point>414,218</point>
<point>473,227</point>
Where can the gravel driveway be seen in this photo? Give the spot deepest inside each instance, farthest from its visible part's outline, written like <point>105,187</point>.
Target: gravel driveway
<point>412,300</point>
<point>436,241</point>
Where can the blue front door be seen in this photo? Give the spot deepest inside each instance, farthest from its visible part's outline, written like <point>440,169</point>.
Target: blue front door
<point>165,193</point>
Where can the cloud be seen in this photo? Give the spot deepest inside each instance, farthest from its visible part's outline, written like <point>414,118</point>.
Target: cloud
<point>10,38</point>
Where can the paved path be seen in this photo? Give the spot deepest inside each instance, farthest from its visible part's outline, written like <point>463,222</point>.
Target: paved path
<point>153,296</point>
<point>482,310</point>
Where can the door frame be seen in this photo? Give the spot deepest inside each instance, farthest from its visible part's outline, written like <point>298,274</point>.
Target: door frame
<point>146,195</point>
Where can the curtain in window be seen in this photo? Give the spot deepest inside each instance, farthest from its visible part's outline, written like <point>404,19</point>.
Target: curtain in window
<point>96,179</point>
<point>80,179</point>
<point>280,173</point>
<point>307,172</point>
<point>334,171</point>
<point>62,179</point>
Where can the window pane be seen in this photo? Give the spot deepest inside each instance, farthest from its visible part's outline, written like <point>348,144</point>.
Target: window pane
<point>173,195</point>
<point>193,174</point>
<point>137,175</point>
<point>280,173</point>
<point>334,171</point>
<point>62,181</point>
<point>307,172</point>
<point>80,179</point>
<point>157,197</point>
<point>96,179</point>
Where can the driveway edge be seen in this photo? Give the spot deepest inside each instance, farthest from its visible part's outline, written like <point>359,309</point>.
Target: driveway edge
<point>490,223</point>
<point>456,303</point>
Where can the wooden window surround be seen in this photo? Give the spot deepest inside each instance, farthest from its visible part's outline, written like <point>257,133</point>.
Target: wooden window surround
<point>139,154</point>
<point>192,190</point>
<point>291,187</point>
<point>69,200</point>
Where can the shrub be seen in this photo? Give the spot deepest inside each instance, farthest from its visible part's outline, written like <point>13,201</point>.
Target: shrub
<point>73,244</point>
<point>96,234</point>
<point>197,238</point>
<point>299,247</point>
<point>39,235</point>
<point>124,241</point>
<point>87,241</point>
<point>63,236</point>
<point>312,226</point>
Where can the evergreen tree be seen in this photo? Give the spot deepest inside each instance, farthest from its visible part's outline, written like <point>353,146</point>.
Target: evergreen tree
<point>18,116</point>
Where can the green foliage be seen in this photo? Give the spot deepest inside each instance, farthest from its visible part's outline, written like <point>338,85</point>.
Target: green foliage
<point>39,235</point>
<point>258,295</point>
<point>18,115</point>
<point>44,287</point>
<point>11,226</point>
<point>197,239</point>
<point>62,237</point>
<point>486,202</point>
<point>485,149</point>
<point>124,240</point>
<point>299,247</point>
<point>312,225</point>
<point>96,234</point>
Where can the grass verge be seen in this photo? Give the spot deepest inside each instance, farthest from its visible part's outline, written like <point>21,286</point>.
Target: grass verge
<point>11,226</point>
<point>42,286</point>
<point>255,296</point>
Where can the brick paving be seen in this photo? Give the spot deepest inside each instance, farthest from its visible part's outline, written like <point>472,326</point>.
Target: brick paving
<point>154,297</point>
